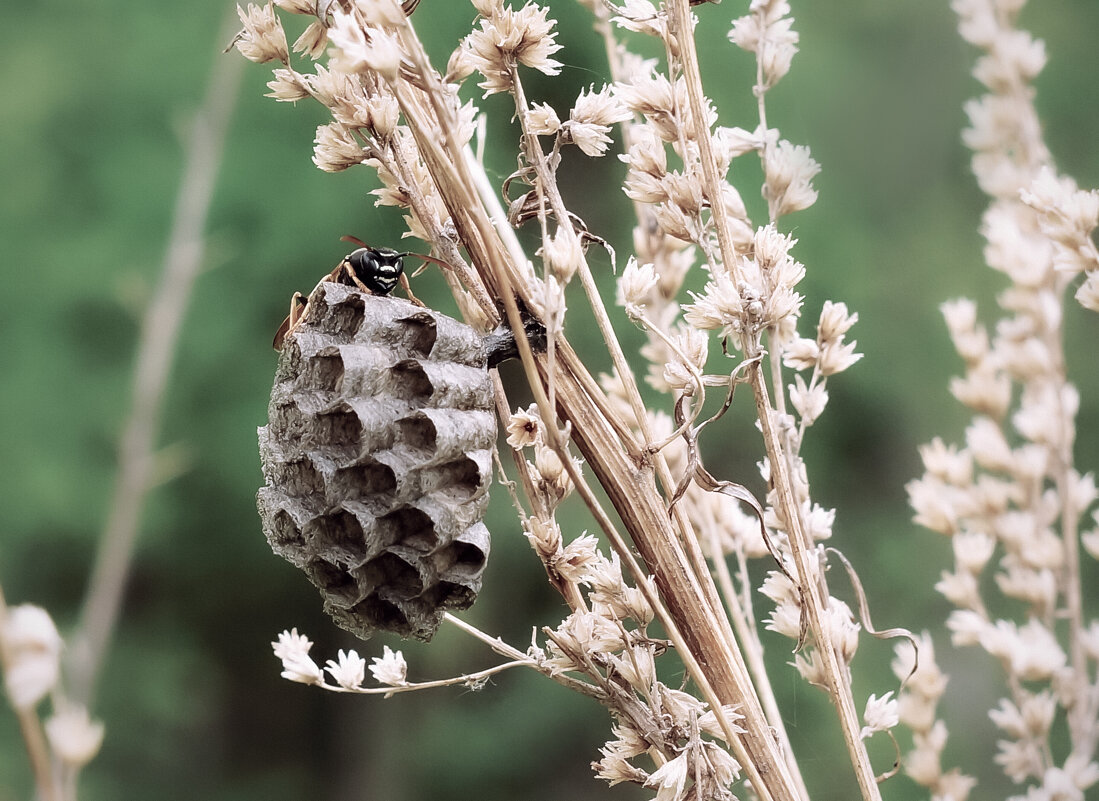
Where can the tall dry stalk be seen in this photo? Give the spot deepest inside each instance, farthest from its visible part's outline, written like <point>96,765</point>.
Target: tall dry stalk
<point>34,660</point>
<point>1011,499</point>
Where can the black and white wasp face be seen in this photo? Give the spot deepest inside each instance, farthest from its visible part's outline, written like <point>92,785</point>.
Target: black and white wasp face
<point>379,269</point>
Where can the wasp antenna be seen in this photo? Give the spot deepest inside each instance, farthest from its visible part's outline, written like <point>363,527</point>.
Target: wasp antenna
<point>431,259</point>
<point>354,240</point>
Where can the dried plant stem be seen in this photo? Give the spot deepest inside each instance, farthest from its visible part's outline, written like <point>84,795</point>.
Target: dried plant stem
<point>495,643</point>
<point>632,491</point>
<point>701,635</point>
<point>462,276</point>
<point>839,686</point>
<point>37,753</point>
<point>614,347</point>
<point>1081,716</point>
<point>747,639</point>
<point>159,334</point>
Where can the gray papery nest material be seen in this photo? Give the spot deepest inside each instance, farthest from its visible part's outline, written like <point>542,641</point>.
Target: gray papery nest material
<point>377,460</point>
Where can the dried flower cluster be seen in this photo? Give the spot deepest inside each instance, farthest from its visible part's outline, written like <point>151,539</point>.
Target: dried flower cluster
<point>1011,499</point>
<point>392,111</point>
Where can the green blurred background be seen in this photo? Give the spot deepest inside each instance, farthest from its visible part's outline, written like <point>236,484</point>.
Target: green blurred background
<point>95,97</point>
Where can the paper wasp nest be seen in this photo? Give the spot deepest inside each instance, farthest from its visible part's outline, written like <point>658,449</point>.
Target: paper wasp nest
<point>377,460</point>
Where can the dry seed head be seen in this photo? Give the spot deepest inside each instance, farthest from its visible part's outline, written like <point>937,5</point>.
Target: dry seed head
<point>615,768</point>
<point>547,299</point>
<point>506,37</point>
<point>355,50</point>
<point>487,8</point>
<point>709,724</point>
<point>673,221</point>
<point>960,588</point>
<point>785,619</point>
<point>835,357</point>
<point>553,480</point>
<point>262,38</point>
<point>684,192</point>
<point>653,96</point>
<point>947,462</point>
<point>768,33</point>
<point>309,7</point>
<point>460,65</point>
<point>729,143</point>
<point>545,537</point>
<point>835,321</point>
<point>377,460</point>
<point>1067,211</point>
<point>591,119</point>
<point>641,16</point>
<point>390,668</point>
<point>694,346</point>
<point>970,340</point>
<point>635,287</point>
<point>335,148</point>
<point>32,653</point>
<point>809,402</point>
<point>1017,57</point>
<point>646,154</point>
<point>589,633</point>
<point>644,186</point>
<point>670,779</point>
<point>349,672</point>
<point>385,112</point>
<point>292,649</point>
<point>636,667</point>
<point>381,12</point>
<point>880,714</point>
<point>543,120</point>
<point>337,91</point>
<point>1088,293</point>
<point>562,254</point>
<point>74,737</point>
<point>719,307</point>
<point>801,354</point>
<point>576,559</point>
<point>393,192</point>
<point>286,87</point>
<point>772,248</point>
<point>313,40</point>
<point>789,174</point>
<point>986,442</point>
<point>808,665</point>
<point>984,389</point>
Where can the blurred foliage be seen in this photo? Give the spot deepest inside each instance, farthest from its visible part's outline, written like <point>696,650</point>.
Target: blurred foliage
<point>95,97</point>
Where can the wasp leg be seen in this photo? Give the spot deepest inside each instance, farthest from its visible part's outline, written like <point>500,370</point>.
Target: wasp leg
<point>345,270</point>
<point>298,304</point>
<point>407,287</point>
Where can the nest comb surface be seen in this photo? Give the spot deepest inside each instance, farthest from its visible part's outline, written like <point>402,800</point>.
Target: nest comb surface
<point>377,459</point>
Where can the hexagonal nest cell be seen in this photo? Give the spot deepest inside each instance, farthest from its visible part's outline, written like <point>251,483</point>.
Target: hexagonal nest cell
<point>377,460</point>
